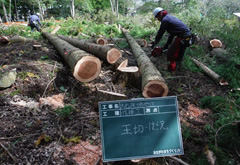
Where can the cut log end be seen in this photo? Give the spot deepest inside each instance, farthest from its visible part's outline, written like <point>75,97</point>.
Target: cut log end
<point>4,40</point>
<point>155,88</point>
<point>216,43</point>
<point>131,69</point>
<point>113,55</point>
<point>87,69</point>
<point>123,64</point>
<point>102,41</point>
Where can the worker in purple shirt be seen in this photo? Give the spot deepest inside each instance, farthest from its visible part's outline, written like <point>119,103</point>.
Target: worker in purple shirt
<point>34,22</point>
<point>179,39</point>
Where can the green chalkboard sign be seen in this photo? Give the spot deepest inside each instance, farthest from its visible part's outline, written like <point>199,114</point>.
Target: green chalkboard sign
<point>140,128</point>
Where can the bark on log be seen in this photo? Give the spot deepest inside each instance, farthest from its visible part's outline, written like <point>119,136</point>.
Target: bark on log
<point>85,67</point>
<point>153,84</point>
<point>141,42</point>
<point>210,73</point>
<point>106,53</point>
<point>220,53</point>
<point>129,76</point>
<point>103,41</point>
<point>121,63</point>
<point>15,39</point>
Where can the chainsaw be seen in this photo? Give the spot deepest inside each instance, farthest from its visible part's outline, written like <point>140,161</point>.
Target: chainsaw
<point>157,51</point>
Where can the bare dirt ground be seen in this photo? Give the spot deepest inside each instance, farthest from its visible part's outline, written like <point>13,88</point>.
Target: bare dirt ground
<point>34,133</point>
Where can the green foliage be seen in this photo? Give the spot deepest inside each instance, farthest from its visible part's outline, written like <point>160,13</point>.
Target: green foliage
<point>226,113</point>
<point>22,31</point>
<point>186,132</point>
<point>66,111</point>
<point>104,16</point>
<point>100,4</point>
<point>17,91</point>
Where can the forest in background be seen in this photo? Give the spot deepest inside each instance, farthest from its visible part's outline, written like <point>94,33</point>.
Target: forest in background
<point>209,19</point>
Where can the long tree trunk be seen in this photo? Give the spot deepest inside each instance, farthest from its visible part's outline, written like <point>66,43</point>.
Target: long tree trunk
<point>103,41</point>
<point>72,8</point>
<point>141,42</point>
<point>85,67</point>
<point>106,53</point>
<point>16,12</point>
<point>210,73</point>
<point>10,10</point>
<point>112,6</point>
<point>153,84</point>
<point>40,9</point>
<point>117,13</point>
<point>5,12</point>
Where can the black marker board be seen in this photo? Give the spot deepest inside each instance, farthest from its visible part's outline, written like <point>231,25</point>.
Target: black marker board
<point>140,128</point>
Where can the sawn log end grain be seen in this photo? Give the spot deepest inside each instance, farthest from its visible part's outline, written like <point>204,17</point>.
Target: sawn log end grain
<point>87,69</point>
<point>155,88</point>
<point>113,55</point>
<point>101,41</point>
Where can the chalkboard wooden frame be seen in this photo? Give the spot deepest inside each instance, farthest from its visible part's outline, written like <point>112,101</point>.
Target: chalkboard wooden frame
<point>140,128</point>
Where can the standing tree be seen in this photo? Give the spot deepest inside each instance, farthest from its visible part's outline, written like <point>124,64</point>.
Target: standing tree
<point>4,10</point>
<point>72,8</point>
<point>16,12</point>
<point>114,7</point>
<point>10,14</point>
<point>40,9</point>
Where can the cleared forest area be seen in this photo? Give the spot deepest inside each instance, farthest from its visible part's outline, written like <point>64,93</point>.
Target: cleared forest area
<point>52,81</point>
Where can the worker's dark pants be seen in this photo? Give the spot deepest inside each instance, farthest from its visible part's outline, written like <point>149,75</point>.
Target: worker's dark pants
<point>175,53</point>
<point>33,25</point>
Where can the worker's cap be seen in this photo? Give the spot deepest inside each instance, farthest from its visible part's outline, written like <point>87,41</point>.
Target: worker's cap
<point>157,10</point>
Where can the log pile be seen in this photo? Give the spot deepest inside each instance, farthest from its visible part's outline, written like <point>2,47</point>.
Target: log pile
<point>105,53</point>
<point>85,67</point>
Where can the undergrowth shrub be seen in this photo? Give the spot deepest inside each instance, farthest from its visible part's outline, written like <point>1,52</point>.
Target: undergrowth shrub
<point>224,129</point>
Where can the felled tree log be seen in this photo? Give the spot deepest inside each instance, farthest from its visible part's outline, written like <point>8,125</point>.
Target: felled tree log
<point>153,84</point>
<point>105,53</point>
<point>56,30</point>
<point>15,39</point>
<point>220,53</point>
<point>85,67</point>
<point>103,41</point>
<point>141,42</point>
<point>121,63</point>
<point>210,73</point>
<point>128,76</point>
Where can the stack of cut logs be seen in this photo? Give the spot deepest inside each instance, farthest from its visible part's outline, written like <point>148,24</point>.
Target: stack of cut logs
<point>84,58</point>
